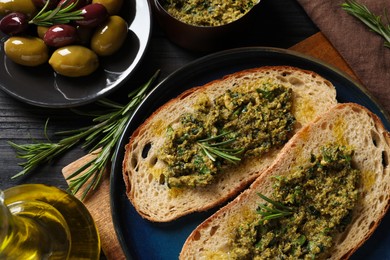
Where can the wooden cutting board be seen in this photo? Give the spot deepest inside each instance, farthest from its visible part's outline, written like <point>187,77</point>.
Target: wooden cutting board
<point>316,46</point>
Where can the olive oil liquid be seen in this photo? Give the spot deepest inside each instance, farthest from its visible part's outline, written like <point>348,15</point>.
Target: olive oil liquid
<point>44,222</point>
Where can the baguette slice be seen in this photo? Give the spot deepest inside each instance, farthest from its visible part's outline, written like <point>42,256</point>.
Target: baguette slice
<point>346,124</point>
<point>312,95</point>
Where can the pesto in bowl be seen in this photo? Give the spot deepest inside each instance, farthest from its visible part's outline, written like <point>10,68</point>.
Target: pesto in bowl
<point>208,12</point>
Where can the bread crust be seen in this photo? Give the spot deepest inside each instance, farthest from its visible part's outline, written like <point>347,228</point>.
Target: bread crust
<point>312,95</point>
<point>345,124</point>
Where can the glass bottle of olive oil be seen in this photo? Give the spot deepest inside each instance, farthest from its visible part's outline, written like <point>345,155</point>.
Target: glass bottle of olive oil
<point>43,222</point>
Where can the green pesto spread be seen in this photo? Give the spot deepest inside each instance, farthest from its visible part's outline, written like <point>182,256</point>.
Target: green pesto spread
<point>208,12</point>
<point>320,199</point>
<point>252,120</point>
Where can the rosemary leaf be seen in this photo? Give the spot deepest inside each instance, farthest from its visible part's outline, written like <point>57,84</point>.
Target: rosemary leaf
<point>372,21</point>
<point>275,203</point>
<point>278,210</point>
<point>103,137</point>
<point>218,149</point>
<point>62,14</point>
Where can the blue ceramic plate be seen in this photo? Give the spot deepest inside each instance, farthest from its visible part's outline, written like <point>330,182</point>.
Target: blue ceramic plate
<point>141,239</point>
<point>40,86</point>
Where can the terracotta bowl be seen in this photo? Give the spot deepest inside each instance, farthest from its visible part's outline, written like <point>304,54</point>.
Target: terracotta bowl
<point>197,38</point>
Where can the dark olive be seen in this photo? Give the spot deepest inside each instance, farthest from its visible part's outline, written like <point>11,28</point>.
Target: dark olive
<point>60,35</point>
<point>84,34</point>
<point>79,3</point>
<point>41,3</point>
<point>14,23</point>
<point>94,15</point>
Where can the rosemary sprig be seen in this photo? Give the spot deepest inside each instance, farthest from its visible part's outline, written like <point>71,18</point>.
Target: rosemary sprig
<point>219,149</point>
<point>62,14</point>
<point>277,211</point>
<point>373,21</point>
<point>103,137</point>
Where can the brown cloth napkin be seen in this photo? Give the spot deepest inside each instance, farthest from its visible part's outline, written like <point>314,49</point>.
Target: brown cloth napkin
<point>361,48</point>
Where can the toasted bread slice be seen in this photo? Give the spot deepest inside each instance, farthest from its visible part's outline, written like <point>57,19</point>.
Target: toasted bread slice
<point>347,125</point>
<point>143,172</point>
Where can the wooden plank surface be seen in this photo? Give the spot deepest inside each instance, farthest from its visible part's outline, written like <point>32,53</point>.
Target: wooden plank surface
<point>99,204</point>
<point>319,47</point>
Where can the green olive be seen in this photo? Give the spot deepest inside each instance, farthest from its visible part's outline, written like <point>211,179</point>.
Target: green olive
<point>112,6</point>
<point>41,30</point>
<point>27,51</point>
<point>23,6</point>
<point>74,61</point>
<point>109,37</point>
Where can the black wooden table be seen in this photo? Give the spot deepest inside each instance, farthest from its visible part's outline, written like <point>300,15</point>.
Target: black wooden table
<point>278,23</point>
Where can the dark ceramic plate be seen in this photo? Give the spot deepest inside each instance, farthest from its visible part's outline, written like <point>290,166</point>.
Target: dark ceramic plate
<point>141,239</point>
<point>40,86</point>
